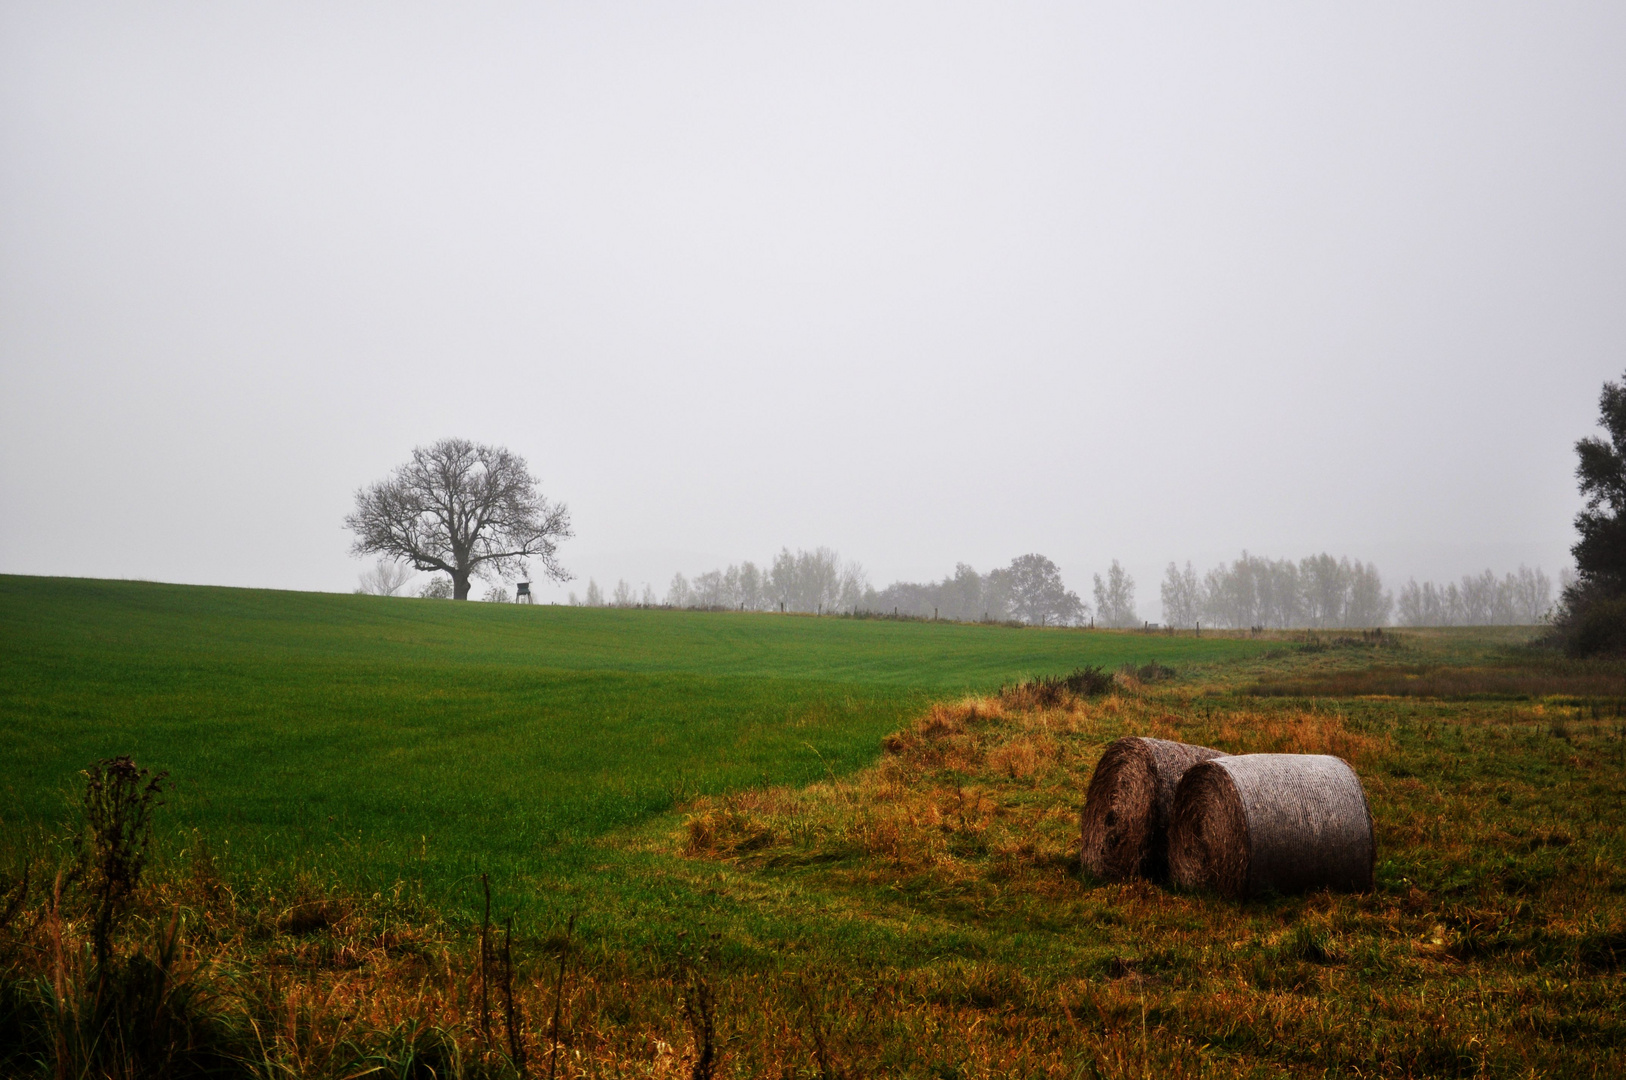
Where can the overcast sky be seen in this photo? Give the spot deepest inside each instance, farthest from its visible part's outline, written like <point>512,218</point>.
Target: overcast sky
<point>924,283</point>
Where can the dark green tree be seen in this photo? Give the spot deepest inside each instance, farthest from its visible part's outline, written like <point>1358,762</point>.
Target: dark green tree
<point>1600,553</point>
<point>1594,615</point>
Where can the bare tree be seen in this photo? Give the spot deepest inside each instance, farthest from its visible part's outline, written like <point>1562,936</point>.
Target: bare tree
<point>1521,599</point>
<point>1115,597</point>
<point>707,591</point>
<point>463,509</point>
<point>1368,604</point>
<point>752,595</point>
<point>679,594</point>
<point>1182,596</point>
<point>386,578</point>
<point>817,580</point>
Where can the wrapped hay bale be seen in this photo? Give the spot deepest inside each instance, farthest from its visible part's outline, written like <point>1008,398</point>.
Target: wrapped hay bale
<point>1257,823</point>
<point>1127,806</point>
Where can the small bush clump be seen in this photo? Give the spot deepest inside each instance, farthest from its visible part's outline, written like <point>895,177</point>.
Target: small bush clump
<point>1050,691</point>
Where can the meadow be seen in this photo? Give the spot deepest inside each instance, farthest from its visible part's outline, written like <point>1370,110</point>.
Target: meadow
<point>386,738</point>
<point>796,847</point>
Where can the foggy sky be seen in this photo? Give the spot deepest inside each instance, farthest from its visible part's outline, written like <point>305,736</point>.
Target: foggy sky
<point>924,283</point>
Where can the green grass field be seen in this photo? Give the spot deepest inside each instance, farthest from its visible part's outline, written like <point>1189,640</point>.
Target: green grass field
<point>694,815</point>
<point>386,738</point>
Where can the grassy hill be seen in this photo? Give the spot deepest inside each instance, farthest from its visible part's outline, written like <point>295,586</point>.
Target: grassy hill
<point>436,740</point>
<point>708,857</point>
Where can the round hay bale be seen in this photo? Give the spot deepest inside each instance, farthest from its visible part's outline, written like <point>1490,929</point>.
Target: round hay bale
<point>1259,823</point>
<point>1127,806</point>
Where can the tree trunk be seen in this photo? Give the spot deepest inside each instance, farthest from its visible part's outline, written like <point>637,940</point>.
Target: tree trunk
<point>460,585</point>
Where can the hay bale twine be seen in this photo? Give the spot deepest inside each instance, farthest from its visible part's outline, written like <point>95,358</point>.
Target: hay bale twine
<point>1127,806</point>
<point>1258,823</point>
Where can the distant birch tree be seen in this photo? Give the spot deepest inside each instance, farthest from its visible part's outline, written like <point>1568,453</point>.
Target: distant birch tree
<point>1115,598</point>
<point>386,578</point>
<point>678,594</point>
<point>1524,598</point>
<point>1182,596</point>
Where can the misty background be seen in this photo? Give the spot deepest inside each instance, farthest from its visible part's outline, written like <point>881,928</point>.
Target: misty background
<point>924,284</point>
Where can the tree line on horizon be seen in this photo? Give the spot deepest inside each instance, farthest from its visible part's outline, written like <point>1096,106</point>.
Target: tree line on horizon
<point>504,524</point>
<point>1029,590</point>
<point>1524,598</point>
<point>1321,592</point>
<point>805,581</point>
<point>1316,592</point>
<point>466,511</point>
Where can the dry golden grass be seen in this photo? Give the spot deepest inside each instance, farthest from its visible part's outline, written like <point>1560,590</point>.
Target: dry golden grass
<point>1504,967</point>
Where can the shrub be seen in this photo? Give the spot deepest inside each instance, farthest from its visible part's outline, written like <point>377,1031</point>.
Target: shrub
<point>1597,628</point>
<point>1049,691</point>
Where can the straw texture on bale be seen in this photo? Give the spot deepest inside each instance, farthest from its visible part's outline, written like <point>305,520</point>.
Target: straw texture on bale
<point>1128,803</point>
<point>1260,823</point>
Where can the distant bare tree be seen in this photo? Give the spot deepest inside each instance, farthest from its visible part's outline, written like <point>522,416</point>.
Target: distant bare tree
<point>1324,584</point>
<point>751,590</point>
<point>678,594</point>
<point>1115,597</point>
<point>1368,603</point>
<point>1521,599</point>
<point>595,595</point>
<point>1533,595</point>
<point>624,596</point>
<point>1318,591</point>
<point>1182,596</point>
<point>999,596</point>
<point>960,595</point>
<point>463,509</point>
<point>707,591</point>
<point>816,580</point>
<point>386,578</point>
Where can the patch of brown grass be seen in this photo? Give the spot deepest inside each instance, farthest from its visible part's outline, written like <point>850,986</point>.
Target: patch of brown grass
<point>1296,732</point>
<point>1453,682</point>
<point>977,801</point>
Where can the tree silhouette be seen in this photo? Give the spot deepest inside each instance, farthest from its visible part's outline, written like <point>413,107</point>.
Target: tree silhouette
<point>464,509</point>
<point>1594,616</point>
